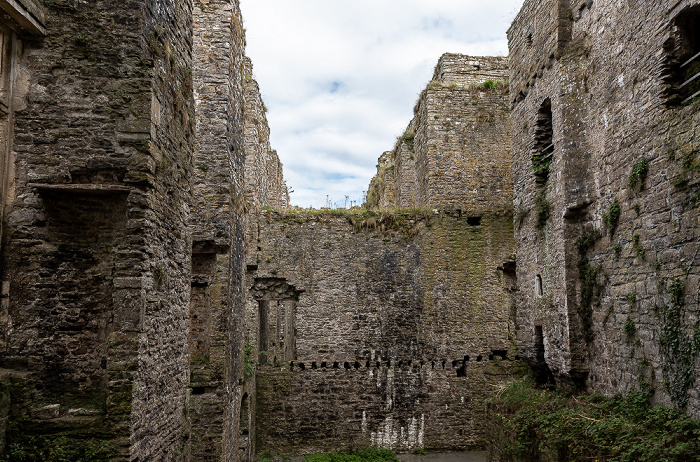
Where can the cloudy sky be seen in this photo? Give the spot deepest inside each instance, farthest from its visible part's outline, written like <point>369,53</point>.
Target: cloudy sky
<point>340,78</point>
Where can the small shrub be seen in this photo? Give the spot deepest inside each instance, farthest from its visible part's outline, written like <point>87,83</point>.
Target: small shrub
<point>408,136</point>
<point>630,329</point>
<point>638,174</point>
<point>612,217</point>
<point>543,209</point>
<point>617,249</point>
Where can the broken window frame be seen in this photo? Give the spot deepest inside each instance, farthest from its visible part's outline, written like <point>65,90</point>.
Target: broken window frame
<point>682,67</point>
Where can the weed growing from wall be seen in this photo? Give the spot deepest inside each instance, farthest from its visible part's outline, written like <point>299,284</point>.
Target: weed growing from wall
<point>612,217</point>
<point>641,252</point>
<point>251,358</point>
<point>490,85</point>
<point>617,249</point>
<point>630,329</point>
<point>520,217</point>
<point>543,209</point>
<point>408,136</point>
<point>638,174</point>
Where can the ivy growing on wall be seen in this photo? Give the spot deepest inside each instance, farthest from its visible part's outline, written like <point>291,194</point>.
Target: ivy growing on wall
<point>679,347</point>
<point>543,209</point>
<point>588,275</point>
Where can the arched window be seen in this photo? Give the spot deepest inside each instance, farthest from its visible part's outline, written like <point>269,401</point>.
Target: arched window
<point>543,149</point>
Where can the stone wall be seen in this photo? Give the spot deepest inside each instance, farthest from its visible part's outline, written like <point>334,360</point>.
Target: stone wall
<point>217,221</point>
<point>607,227</point>
<point>392,337</point>
<point>123,241</point>
<point>97,257</point>
<point>264,178</point>
<point>455,153</point>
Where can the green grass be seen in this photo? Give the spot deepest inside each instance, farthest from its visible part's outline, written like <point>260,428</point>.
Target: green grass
<point>361,455</point>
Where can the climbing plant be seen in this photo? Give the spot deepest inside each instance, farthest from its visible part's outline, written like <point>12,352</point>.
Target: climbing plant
<point>588,275</point>
<point>679,347</point>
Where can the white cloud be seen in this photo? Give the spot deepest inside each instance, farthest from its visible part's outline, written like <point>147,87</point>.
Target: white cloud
<point>340,78</point>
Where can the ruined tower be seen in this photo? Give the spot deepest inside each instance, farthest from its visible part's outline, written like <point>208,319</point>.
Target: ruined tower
<point>605,165</point>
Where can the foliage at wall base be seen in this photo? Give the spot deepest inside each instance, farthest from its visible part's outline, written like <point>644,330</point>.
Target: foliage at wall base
<point>550,425</point>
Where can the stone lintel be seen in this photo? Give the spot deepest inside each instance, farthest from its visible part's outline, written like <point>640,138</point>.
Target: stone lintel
<point>210,246</point>
<point>87,188</point>
<point>25,16</point>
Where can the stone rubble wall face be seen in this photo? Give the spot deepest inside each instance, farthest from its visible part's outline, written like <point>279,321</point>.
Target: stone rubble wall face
<point>369,297</point>
<point>216,305</point>
<point>455,153</point>
<point>99,283</point>
<point>466,70</point>
<point>264,177</point>
<point>467,152</point>
<point>609,111</point>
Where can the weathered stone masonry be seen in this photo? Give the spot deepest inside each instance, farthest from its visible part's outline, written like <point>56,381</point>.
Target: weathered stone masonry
<point>455,153</point>
<point>399,336</point>
<point>122,138</point>
<point>215,340</point>
<point>264,180</point>
<point>97,256</point>
<point>605,162</point>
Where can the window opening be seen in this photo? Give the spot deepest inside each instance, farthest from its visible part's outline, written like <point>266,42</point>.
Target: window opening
<point>683,59</point>
<point>543,150</point>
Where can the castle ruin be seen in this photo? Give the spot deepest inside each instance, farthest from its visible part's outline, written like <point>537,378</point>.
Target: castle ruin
<point>160,301</point>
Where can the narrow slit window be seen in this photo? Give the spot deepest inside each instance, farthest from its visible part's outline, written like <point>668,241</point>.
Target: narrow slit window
<point>543,150</point>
